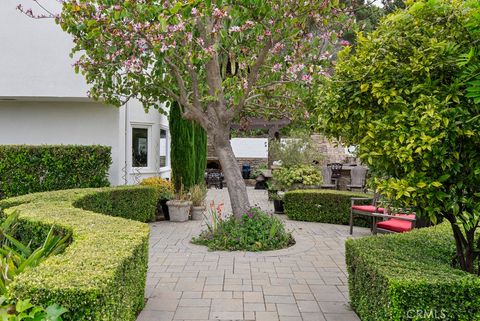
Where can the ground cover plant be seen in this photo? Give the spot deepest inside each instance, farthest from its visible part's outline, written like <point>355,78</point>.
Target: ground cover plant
<point>254,231</point>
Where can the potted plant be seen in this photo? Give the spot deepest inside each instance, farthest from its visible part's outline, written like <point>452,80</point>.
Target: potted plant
<point>179,207</point>
<point>198,193</point>
<point>166,190</point>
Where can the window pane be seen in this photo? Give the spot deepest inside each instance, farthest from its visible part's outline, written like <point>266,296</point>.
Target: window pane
<point>140,147</point>
<point>163,148</point>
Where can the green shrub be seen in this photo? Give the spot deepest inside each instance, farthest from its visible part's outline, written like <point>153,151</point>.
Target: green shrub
<point>325,206</point>
<point>102,274</point>
<point>255,231</point>
<point>139,204</point>
<point>29,169</point>
<point>166,188</point>
<point>306,175</point>
<point>409,276</point>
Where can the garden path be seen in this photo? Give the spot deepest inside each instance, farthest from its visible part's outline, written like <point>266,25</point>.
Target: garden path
<point>307,281</point>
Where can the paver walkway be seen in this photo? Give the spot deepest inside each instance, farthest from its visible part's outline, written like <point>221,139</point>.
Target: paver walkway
<point>307,281</point>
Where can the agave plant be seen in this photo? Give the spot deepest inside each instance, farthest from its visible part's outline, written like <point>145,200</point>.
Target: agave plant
<point>16,257</point>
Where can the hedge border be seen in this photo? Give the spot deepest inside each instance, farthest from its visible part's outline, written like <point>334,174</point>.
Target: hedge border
<point>102,273</point>
<point>409,276</point>
<point>28,169</point>
<point>321,205</point>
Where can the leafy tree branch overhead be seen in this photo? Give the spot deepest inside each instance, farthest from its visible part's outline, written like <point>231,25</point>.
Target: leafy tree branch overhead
<point>221,60</point>
<point>409,97</point>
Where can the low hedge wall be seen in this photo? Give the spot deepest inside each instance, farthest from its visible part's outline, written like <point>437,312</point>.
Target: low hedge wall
<point>409,276</point>
<point>102,273</point>
<point>137,204</point>
<point>28,169</point>
<point>325,206</point>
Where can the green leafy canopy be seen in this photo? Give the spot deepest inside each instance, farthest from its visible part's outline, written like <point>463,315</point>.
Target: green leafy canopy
<point>406,97</point>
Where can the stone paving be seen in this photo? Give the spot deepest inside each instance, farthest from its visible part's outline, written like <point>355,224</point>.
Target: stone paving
<point>307,281</point>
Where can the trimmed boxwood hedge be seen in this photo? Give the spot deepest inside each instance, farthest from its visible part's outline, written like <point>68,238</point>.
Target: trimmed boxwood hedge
<point>102,273</point>
<point>410,276</point>
<point>325,206</point>
<point>28,169</point>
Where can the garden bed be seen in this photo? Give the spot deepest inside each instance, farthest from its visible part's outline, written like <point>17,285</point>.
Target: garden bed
<point>410,276</point>
<point>102,274</point>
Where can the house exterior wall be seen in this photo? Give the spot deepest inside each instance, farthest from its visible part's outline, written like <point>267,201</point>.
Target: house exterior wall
<point>43,101</point>
<point>80,123</point>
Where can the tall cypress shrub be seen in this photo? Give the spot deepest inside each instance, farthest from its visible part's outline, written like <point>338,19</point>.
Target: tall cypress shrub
<point>188,150</point>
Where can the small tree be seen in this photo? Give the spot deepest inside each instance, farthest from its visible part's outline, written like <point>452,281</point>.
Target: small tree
<point>219,59</point>
<point>401,97</point>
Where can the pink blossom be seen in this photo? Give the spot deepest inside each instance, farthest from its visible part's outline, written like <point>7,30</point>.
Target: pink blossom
<point>235,29</point>
<point>277,67</point>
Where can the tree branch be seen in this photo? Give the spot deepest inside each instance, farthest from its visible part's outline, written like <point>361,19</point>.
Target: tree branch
<point>253,76</point>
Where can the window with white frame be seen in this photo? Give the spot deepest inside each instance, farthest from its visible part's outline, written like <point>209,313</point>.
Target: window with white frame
<point>163,147</point>
<point>139,147</point>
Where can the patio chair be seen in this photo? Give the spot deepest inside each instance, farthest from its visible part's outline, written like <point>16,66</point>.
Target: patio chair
<point>358,177</point>
<point>214,177</point>
<point>327,178</point>
<point>336,172</point>
<point>364,210</point>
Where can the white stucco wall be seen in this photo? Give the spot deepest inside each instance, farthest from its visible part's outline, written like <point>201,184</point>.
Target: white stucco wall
<point>35,55</point>
<point>250,147</point>
<point>43,101</point>
<point>37,123</point>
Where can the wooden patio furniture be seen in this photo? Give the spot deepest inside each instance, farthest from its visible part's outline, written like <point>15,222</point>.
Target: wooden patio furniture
<point>358,178</point>
<point>384,220</point>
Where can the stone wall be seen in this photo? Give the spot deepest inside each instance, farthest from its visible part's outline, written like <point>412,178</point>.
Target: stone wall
<point>333,153</point>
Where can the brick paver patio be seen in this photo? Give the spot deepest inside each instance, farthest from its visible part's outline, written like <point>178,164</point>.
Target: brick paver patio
<point>306,282</point>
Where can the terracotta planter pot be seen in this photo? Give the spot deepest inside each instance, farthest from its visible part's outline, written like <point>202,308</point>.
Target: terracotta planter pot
<point>179,210</point>
<point>198,212</point>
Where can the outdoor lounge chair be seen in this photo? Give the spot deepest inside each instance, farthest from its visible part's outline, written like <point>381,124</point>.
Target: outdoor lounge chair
<point>358,177</point>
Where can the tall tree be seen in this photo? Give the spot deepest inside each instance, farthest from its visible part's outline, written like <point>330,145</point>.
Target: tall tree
<point>407,97</point>
<point>219,59</point>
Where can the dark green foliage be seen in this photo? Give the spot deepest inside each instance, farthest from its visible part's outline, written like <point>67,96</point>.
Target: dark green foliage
<point>137,204</point>
<point>189,150</point>
<point>200,153</point>
<point>255,231</point>
<point>101,275</point>
<point>409,277</point>
<point>28,169</point>
<point>325,206</point>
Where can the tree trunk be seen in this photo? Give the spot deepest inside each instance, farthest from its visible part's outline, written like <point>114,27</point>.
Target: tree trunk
<point>237,189</point>
<point>465,246</point>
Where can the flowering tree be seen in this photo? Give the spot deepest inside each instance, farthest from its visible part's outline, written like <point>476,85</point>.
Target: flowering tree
<point>221,60</point>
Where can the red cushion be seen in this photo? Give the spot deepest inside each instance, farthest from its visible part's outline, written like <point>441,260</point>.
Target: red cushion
<point>367,208</point>
<point>396,225</point>
<point>412,216</point>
